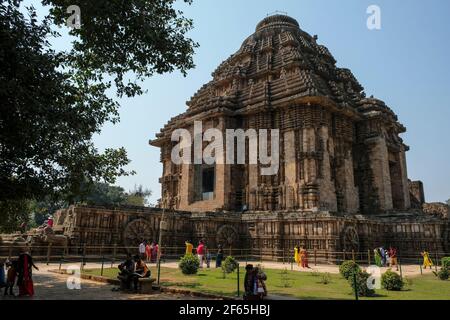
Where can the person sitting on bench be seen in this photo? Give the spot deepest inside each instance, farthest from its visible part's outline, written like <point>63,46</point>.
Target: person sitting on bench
<point>141,271</point>
<point>126,272</point>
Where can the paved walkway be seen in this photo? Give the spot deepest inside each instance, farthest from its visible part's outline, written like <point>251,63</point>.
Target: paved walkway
<point>52,286</point>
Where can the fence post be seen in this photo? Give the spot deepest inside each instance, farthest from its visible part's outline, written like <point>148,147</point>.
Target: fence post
<point>159,270</point>
<point>83,257</point>
<point>238,292</point>
<point>353,255</point>
<point>61,260</point>
<point>343,255</point>
<point>103,263</point>
<point>315,256</point>
<point>355,285</point>
<point>437,260</point>
<point>368,257</point>
<point>420,266</point>
<point>400,267</point>
<point>114,255</point>
<point>49,249</point>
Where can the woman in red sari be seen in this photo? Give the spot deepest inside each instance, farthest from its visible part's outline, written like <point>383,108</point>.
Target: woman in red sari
<point>25,276</point>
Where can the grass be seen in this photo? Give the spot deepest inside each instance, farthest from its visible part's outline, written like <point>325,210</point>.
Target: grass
<point>300,285</point>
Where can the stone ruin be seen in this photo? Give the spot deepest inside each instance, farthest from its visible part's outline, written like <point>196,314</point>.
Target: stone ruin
<point>342,184</point>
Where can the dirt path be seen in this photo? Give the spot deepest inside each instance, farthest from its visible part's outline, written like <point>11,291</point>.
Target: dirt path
<point>52,286</point>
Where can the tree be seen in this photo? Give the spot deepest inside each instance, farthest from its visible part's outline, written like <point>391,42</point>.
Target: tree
<point>52,103</point>
<point>448,202</point>
<point>138,196</point>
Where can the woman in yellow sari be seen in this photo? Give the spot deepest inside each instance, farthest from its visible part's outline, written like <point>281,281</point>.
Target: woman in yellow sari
<point>427,262</point>
<point>297,258</point>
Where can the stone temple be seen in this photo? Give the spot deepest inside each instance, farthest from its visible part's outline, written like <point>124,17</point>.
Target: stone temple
<point>343,172</point>
<point>342,183</point>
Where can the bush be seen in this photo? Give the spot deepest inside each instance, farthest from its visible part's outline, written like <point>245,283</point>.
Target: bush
<point>392,281</point>
<point>229,265</point>
<point>325,278</point>
<point>347,268</point>
<point>445,262</point>
<point>443,274</point>
<point>361,284</point>
<point>189,264</point>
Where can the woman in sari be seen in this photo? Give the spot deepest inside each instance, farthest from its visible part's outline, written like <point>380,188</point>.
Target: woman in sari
<point>297,256</point>
<point>427,262</point>
<point>377,257</point>
<point>304,257</point>
<point>25,276</point>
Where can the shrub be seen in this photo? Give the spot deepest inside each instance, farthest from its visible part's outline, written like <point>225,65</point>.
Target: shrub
<point>443,274</point>
<point>325,278</point>
<point>392,281</point>
<point>189,264</point>
<point>347,268</point>
<point>445,262</point>
<point>229,265</point>
<point>361,284</point>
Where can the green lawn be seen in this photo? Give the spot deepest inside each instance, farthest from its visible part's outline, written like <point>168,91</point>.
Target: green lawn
<point>303,285</point>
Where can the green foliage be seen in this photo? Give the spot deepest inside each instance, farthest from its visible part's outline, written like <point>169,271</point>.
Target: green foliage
<point>347,268</point>
<point>141,37</point>
<point>229,265</point>
<point>442,274</point>
<point>53,103</point>
<point>325,278</point>
<point>358,281</point>
<point>445,262</point>
<point>285,280</point>
<point>392,281</point>
<point>12,214</point>
<point>189,264</point>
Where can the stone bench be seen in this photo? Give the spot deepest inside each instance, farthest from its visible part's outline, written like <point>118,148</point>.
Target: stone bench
<point>145,285</point>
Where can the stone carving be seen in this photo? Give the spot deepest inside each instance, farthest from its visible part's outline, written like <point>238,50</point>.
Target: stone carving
<point>136,231</point>
<point>227,236</point>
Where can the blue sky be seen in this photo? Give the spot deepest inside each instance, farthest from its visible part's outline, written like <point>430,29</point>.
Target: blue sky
<point>405,64</point>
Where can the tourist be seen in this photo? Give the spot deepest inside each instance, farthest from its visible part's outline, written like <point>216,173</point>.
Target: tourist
<point>208,257</point>
<point>2,275</point>
<point>297,255</point>
<point>11,275</point>
<point>250,283</point>
<point>141,271</point>
<point>388,258</point>
<point>142,249</point>
<point>25,274</point>
<point>189,247</point>
<point>377,257</point>
<point>155,251</point>
<point>219,257</point>
<point>304,257</point>
<point>148,252</point>
<point>383,256</point>
<point>201,252</point>
<point>50,221</point>
<point>393,257</point>
<point>260,288</point>
<point>427,262</point>
<point>126,269</point>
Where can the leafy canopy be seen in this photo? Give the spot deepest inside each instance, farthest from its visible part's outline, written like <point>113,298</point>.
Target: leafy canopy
<point>52,103</point>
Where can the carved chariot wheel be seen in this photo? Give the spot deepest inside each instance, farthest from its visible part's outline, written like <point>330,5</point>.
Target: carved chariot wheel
<point>227,236</point>
<point>350,239</point>
<point>136,231</point>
